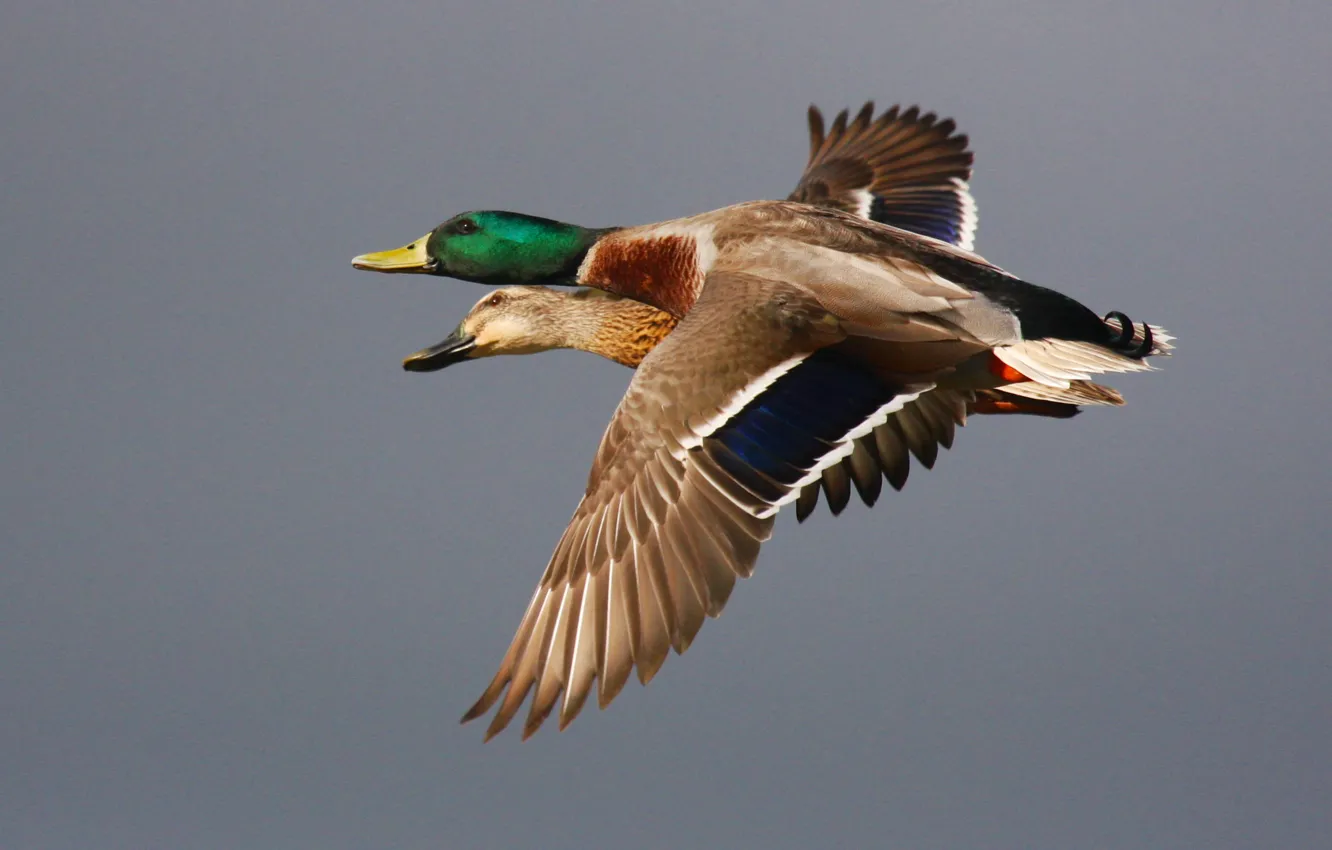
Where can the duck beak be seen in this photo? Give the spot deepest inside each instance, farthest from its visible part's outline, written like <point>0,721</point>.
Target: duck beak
<point>411,259</point>
<point>455,349</point>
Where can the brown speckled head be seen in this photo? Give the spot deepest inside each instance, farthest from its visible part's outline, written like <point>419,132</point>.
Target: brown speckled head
<point>532,319</point>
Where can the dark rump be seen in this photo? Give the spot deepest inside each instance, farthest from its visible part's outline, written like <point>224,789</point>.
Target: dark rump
<point>1042,313</point>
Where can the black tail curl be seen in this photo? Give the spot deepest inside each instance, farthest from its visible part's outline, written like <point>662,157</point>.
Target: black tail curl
<point>1122,340</point>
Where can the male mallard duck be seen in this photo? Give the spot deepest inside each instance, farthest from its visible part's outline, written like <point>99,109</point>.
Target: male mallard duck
<point>905,169</point>
<point>802,328</point>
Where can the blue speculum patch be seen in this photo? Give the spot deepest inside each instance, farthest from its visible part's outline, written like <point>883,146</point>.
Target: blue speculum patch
<point>782,433</point>
<point>929,213</point>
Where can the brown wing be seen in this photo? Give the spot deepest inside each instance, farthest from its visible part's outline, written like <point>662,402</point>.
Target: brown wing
<point>673,514</point>
<point>904,168</point>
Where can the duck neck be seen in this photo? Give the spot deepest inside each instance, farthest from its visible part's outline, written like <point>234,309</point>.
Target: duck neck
<point>618,329</point>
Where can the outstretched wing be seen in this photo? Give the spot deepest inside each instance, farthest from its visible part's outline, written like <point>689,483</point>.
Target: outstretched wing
<point>904,168</point>
<point>724,421</point>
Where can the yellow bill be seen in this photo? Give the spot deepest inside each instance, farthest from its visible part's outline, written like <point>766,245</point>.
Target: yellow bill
<point>409,258</point>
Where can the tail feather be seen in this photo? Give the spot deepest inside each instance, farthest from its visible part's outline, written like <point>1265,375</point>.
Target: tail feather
<point>1057,363</point>
<point>1161,338</point>
<point>1077,392</point>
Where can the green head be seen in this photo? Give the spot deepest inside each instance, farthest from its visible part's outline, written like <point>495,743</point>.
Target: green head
<point>492,247</point>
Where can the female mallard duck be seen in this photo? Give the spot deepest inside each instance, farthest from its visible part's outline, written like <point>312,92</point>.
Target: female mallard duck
<point>802,328</point>
<point>532,319</point>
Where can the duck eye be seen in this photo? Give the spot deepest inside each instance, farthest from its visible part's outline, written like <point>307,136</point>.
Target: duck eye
<point>465,227</point>
<point>495,300</point>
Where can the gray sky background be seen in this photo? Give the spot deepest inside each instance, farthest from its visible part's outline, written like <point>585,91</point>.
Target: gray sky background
<point>253,572</point>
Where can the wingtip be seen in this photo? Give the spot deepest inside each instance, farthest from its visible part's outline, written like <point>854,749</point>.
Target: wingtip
<point>472,713</point>
<point>564,722</point>
<point>498,725</point>
<point>865,115</point>
<point>609,690</point>
<point>815,118</point>
<point>646,672</point>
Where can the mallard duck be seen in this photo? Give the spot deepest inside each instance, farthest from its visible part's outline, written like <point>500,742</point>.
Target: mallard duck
<point>904,168</point>
<point>533,319</point>
<point>801,329</point>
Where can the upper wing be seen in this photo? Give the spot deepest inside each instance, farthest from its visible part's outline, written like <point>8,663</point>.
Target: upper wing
<point>906,169</point>
<point>723,422</point>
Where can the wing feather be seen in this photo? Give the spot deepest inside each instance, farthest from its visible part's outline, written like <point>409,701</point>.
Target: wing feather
<point>906,169</point>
